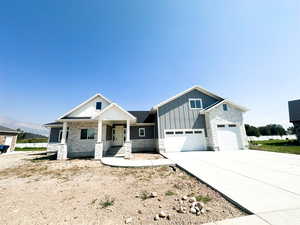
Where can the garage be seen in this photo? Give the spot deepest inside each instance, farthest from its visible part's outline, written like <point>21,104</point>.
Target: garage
<point>185,140</point>
<point>228,137</point>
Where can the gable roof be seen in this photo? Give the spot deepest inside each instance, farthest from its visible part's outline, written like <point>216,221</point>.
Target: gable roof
<point>243,109</point>
<point>7,130</point>
<point>143,116</point>
<point>83,103</point>
<point>111,106</point>
<point>196,87</point>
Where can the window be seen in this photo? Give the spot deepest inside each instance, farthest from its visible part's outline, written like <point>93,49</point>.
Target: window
<point>195,103</point>
<point>169,132</point>
<point>142,132</point>
<point>221,125</point>
<point>87,134</point>
<point>197,132</point>
<point>189,132</point>
<point>232,125</point>
<point>178,132</point>
<point>225,107</point>
<point>98,105</point>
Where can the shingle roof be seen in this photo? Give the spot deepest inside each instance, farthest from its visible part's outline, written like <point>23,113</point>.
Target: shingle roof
<point>143,116</point>
<point>53,123</point>
<point>7,130</point>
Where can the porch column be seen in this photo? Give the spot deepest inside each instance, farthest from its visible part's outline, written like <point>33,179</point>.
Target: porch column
<point>99,139</point>
<point>62,151</point>
<point>127,145</point>
<point>99,145</point>
<point>64,133</point>
<point>128,131</point>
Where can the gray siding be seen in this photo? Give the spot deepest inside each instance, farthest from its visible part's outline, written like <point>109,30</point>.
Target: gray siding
<point>54,134</point>
<point>297,128</point>
<point>134,132</point>
<point>294,109</point>
<point>178,115</point>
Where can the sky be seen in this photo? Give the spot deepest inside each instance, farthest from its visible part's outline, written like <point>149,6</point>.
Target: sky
<point>56,54</point>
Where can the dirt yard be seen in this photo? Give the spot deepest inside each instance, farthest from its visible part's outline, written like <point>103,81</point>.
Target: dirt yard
<point>35,189</point>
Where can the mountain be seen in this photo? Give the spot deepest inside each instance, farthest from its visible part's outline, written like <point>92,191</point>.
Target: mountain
<point>28,127</point>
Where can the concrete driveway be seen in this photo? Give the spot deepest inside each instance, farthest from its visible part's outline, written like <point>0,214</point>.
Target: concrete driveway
<point>265,183</point>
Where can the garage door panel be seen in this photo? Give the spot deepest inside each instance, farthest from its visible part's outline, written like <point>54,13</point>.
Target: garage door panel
<point>184,140</point>
<point>228,138</point>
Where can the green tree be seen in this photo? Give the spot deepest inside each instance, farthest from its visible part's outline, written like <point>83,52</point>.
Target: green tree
<point>251,130</point>
<point>291,130</point>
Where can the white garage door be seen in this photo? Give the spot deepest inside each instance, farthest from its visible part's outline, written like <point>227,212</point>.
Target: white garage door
<point>228,137</point>
<point>185,140</point>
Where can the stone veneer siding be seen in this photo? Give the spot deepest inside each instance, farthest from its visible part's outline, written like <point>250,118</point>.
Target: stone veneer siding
<point>219,116</point>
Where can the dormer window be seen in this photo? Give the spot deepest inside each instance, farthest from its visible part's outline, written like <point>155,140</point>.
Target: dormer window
<point>225,107</point>
<point>195,103</point>
<point>98,105</point>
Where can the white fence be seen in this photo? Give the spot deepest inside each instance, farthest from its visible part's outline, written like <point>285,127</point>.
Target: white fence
<point>31,145</point>
<point>266,138</point>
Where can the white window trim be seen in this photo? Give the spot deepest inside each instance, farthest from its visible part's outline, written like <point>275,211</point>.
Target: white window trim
<point>140,132</point>
<point>193,99</point>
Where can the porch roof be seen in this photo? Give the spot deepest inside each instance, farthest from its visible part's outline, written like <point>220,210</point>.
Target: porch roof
<point>115,112</point>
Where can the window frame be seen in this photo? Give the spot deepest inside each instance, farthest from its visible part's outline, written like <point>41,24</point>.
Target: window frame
<point>225,107</point>
<point>142,129</point>
<point>194,100</point>
<point>97,105</point>
<point>87,134</point>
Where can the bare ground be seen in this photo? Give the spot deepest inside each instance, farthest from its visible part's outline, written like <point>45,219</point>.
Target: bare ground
<point>38,190</point>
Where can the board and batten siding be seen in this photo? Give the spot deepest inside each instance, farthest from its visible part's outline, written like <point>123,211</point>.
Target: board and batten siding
<point>134,132</point>
<point>178,115</point>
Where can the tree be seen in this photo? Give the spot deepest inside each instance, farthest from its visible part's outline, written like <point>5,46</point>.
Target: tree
<point>21,134</point>
<point>291,130</point>
<point>251,130</point>
<point>272,129</point>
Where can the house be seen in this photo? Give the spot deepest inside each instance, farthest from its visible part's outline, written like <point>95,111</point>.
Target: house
<point>193,120</point>
<point>294,110</point>
<point>8,137</point>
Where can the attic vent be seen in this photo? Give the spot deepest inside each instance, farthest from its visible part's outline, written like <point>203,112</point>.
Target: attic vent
<point>98,105</point>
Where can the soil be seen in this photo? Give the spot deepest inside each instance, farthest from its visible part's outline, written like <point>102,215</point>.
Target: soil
<point>37,189</point>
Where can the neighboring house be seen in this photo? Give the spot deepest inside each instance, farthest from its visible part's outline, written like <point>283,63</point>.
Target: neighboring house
<point>8,137</point>
<point>193,120</point>
<point>294,109</point>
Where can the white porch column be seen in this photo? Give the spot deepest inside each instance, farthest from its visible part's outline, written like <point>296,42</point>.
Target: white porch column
<point>99,139</point>
<point>62,152</point>
<point>128,131</point>
<point>64,133</point>
<point>99,145</point>
<point>127,145</point>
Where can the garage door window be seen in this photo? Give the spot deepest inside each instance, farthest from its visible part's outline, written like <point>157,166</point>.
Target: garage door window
<point>169,132</point>
<point>232,125</point>
<point>189,132</point>
<point>179,132</point>
<point>198,132</point>
<point>221,125</point>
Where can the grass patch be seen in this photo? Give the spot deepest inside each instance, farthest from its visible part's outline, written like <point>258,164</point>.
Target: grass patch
<point>144,195</point>
<point>203,199</point>
<point>30,149</point>
<point>283,146</point>
<point>33,140</point>
<point>108,201</point>
<point>170,193</point>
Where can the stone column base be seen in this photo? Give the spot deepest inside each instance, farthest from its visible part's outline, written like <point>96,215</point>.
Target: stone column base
<point>62,152</point>
<point>99,150</point>
<point>128,150</point>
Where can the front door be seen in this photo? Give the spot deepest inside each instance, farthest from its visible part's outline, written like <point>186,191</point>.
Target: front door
<point>118,135</point>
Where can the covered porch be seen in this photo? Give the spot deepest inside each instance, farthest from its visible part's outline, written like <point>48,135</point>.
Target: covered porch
<point>119,121</point>
<point>105,134</point>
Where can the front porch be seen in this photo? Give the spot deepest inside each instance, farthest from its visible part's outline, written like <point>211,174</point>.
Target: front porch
<point>105,134</point>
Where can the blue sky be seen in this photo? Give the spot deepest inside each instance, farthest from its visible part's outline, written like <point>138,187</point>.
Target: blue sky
<point>56,54</point>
